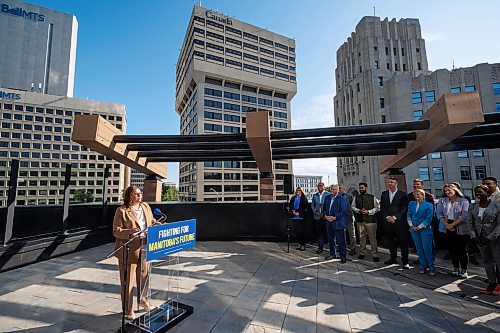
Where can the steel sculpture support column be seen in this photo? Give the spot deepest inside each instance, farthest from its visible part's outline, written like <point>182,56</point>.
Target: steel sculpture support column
<point>451,116</point>
<point>11,200</point>
<point>259,139</point>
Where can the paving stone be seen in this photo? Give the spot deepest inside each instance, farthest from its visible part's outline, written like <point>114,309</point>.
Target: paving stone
<point>247,287</point>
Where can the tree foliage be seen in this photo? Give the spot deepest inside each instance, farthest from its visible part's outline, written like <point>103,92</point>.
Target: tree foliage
<point>82,195</point>
<point>169,193</point>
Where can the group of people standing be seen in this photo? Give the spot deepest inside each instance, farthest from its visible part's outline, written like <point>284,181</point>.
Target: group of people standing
<point>404,217</point>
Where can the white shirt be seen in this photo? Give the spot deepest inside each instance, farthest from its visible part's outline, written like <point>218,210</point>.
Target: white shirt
<point>481,212</point>
<point>391,195</point>
<point>451,216</point>
<point>418,206</point>
<point>141,218</point>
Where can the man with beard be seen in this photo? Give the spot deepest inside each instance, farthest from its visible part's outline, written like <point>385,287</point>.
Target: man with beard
<point>365,206</point>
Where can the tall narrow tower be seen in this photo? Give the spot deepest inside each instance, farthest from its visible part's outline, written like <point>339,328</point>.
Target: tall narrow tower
<point>377,52</point>
<point>225,68</point>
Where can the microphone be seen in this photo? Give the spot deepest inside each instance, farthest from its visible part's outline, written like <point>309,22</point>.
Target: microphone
<point>158,212</point>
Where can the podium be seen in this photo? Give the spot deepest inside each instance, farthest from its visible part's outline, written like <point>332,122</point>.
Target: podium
<point>161,253</point>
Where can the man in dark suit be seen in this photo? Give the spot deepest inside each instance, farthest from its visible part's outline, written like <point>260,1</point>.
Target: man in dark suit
<point>393,207</point>
<point>335,209</point>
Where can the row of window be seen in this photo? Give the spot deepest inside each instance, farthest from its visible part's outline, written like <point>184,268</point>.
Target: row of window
<point>465,173</point>
<point>231,188</point>
<point>460,154</point>
<point>244,66</point>
<point>243,34</point>
<point>244,98</point>
<point>237,107</point>
<point>68,113</point>
<point>237,164</point>
<point>230,176</point>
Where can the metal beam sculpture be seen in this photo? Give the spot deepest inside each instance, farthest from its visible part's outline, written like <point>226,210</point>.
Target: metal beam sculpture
<point>454,122</point>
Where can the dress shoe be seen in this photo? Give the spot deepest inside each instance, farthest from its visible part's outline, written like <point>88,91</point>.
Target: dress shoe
<point>390,262</point>
<point>145,305</point>
<point>490,289</point>
<point>352,252</point>
<point>361,257</point>
<point>330,257</point>
<point>319,251</point>
<point>376,259</point>
<point>343,261</point>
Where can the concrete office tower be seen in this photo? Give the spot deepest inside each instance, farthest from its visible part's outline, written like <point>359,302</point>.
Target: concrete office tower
<point>37,48</point>
<point>382,76</point>
<point>36,130</point>
<point>227,67</point>
<point>309,184</point>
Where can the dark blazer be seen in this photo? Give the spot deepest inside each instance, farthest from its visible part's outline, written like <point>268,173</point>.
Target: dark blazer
<point>489,225</point>
<point>337,209</point>
<point>303,206</point>
<point>397,208</point>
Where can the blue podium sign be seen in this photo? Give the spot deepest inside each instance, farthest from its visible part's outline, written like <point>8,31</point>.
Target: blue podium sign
<point>170,238</point>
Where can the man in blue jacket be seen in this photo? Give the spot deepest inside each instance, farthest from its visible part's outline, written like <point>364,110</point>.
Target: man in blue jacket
<point>335,209</point>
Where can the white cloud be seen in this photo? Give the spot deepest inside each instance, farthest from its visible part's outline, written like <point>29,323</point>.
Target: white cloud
<point>316,112</point>
<point>433,37</point>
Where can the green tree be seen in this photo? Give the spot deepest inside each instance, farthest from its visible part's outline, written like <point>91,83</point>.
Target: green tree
<point>169,193</point>
<point>81,195</point>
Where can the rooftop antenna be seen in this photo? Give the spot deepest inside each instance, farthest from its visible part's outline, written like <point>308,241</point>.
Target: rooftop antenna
<point>374,11</point>
<point>453,64</point>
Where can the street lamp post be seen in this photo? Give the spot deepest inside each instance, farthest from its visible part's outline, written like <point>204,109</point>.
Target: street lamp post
<point>217,193</point>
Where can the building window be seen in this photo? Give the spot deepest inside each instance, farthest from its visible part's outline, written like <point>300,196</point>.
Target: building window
<point>463,154</point>
<point>382,103</point>
<point>377,65</point>
<point>430,96</point>
<point>478,153</point>
<point>416,97</point>
<point>423,173</point>
<point>381,81</point>
<point>480,172</point>
<point>437,173</point>
<point>469,88</point>
<point>455,90</point>
<point>419,66</point>
<point>497,107</point>
<point>496,88</point>
<point>417,114</point>
<point>465,173</point>
<point>436,155</point>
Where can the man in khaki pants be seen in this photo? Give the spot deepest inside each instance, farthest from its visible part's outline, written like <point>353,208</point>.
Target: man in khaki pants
<point>365,206</point>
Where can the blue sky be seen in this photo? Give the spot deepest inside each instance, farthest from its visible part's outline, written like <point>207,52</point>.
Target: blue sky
<point>127,50</point>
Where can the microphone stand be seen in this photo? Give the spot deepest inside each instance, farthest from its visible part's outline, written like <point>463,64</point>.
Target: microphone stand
<point>126,249</point>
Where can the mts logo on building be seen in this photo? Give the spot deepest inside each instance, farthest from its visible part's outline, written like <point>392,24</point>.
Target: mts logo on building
<point>9,96</point>
<point>18,11</point>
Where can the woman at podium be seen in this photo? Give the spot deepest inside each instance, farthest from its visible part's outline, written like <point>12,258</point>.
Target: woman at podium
<point>131,220</point>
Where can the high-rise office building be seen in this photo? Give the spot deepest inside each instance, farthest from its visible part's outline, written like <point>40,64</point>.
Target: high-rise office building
<point>308,184</point>
<point>37,67</point>
<point>36,130</point>
<point>37,48</point>
<point>382,76</point>
<point>227,67</point>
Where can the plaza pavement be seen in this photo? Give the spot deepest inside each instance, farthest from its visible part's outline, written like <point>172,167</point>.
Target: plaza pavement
<point>251,287</point>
